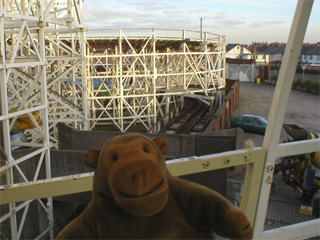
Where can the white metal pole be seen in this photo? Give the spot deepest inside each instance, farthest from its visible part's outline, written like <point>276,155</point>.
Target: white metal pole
<point>44,115</point>
<point>154,110</point>
<point>200,28</point>
<point>168,83</point>
<point>121,83</point>
<point>278,107</point>
<point>252,73</point>
<point>222,40</point>
<point>227,70</point>
<point>5,123</point>
<point>206,62</point>
<point>184,66</point>
<point>85,105</point>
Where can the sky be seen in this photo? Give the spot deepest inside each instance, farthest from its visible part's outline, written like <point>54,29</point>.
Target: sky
<point>243,21</point>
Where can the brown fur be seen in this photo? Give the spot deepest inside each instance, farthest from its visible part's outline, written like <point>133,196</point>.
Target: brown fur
<point>135,197</point>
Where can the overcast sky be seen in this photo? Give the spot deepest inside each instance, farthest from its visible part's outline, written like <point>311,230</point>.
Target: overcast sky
<point>241,21</point>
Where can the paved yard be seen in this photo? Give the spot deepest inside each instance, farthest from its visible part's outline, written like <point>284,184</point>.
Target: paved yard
<point>303,108</point>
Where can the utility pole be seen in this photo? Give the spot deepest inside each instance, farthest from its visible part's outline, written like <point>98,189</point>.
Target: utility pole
<point>200,28</point>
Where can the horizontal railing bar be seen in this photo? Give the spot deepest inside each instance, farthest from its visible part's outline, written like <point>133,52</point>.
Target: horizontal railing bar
<point>184,166</point>
<point>46,188</point>
<point>295,231</point>
<point>298,147</point>
<point>83,182</point>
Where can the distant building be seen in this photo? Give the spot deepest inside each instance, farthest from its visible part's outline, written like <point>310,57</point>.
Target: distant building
<point>310,56</point>
<point>275,53</point>
<point>260,59</point>
<point>257,53</point>
<point>264,53</point>
<point>236,51</point>
<point>233,50</point>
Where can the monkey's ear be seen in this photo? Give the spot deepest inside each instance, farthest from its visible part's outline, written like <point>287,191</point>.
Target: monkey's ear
<point>162,144</point>
<point>91,157</point>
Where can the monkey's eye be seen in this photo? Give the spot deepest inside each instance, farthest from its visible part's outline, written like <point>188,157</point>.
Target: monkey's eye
<point>114,157</point>
<point>146,150</point>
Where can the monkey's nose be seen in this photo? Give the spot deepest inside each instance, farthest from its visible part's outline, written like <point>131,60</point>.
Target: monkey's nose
<point>139,179</point>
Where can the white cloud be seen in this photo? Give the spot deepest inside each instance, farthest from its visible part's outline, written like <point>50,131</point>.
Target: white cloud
<point>247,20</point>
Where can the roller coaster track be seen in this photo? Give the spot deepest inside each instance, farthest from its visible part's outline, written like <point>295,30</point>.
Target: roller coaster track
<point>194,117</point>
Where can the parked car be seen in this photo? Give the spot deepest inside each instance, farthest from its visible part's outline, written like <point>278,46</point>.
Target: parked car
<point>250,123</point>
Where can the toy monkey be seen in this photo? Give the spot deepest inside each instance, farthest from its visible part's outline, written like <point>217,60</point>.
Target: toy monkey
<point>135,197</point>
